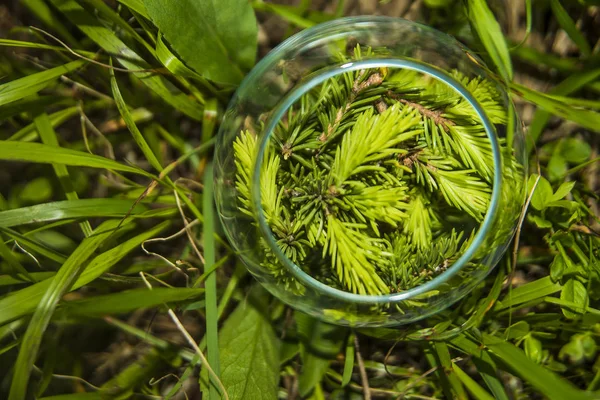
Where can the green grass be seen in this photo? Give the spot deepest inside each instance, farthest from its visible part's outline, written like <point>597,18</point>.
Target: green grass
<point>108,234</point>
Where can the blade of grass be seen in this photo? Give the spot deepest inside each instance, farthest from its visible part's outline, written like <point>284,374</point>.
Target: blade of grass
<point>537,58</point>
<point>536,375</point>
<point>107,40</point>
<point>473,387</point>
<point>25,300</point>
<point>565,22</point>
<point>107,12</point>
<point>348,361</point>
<point>124,302</point>
<point>570,85</point>
<point>148,338</point>
<point>34,105</point>
<point>42,153</point>
<point>135,132</point>
<point>48,136</point>
<point>212,315</point>
<point>453,388</point>
<point>586,118</point>
<point>6,280</point>
<point>40,9</point>
<point>484,23</point>
<point>537,289</point>
<point>29,132</point>
<point>82,208</point>
<point>13,262</point>
<point>31,84</point>
<point>288,13</point>
<point>59,285</point>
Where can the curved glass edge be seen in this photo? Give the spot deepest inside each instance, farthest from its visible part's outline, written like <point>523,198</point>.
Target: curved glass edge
<point>320,77</point>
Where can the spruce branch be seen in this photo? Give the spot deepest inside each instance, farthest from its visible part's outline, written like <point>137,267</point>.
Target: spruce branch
<point>366,175</point>
<point>354,256</point>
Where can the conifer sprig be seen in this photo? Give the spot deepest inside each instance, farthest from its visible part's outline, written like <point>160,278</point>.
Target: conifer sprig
<point>369,177</point>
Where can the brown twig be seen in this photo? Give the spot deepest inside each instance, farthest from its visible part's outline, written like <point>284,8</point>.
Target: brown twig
<point>363,371</point>
<point>436,116</point>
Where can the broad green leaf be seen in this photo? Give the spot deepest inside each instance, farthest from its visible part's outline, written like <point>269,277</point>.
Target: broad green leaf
<point>31,84</point>
<point>484,23</point>
<point>249,354</point>
<point>109,41</point>
<point>543,193</point>
<point>575,150</point>
<point>557,268</point>
<point>473,387</point>
<point>127,301</point>
<point>59,284</point>
<point>171,62</point>
<point>217,39</point>
<point>42,153</point>
<point>533,349</point>
<point>38,190</point>
<point>320,343</point>
<point>24,301</point>
<point>67,209</point>
<point>576,293</point>
<point>563,190</point>
<point>541,378</point>
<point>137,6</point>
<point>565,21</point>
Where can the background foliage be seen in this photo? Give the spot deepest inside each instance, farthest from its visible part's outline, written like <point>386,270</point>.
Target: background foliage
<point>115,281</point>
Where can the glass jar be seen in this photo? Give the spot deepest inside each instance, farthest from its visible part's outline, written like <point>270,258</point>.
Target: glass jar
<point>362,58</point>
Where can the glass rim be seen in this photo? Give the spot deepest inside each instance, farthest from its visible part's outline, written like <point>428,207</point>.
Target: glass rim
<point>321,76</point>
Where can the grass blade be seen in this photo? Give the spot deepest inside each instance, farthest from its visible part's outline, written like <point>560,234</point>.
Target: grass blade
<point>212,316</point>
<point>127,301</point>
<point>484,23</point>
<point>586,118</point>
<point>536,375</point>
<point>25,300</point>
<point>13,262</point>
<point>67,209</point>
<point>473,387</point>
<point>45,14</point>
<point>42,153</point>
<point>565,22</point>
<point>48,136</point>
<point>59,284</point>
<point>135,132</point>
<point>570,85</point>
<point>31,84</point>
<point>106,39</point>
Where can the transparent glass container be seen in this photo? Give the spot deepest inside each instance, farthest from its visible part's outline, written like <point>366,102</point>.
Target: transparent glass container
<point>304,63</point>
